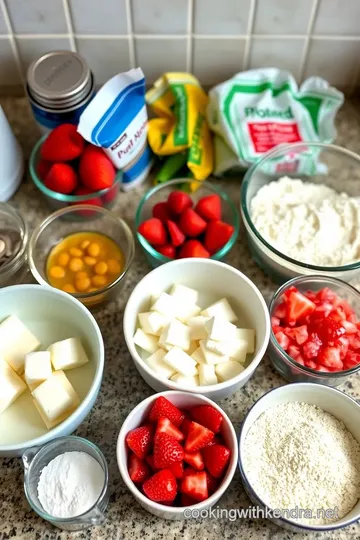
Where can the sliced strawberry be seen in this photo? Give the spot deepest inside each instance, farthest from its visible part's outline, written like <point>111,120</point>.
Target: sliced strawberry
<point>280,311</point>
<point>310,364</point>
<point>198,437</point>
<point>209,208</point>
<point>161,211</point>
<point>164,425</point>
<point>298,334</point>
<point>176,236</point>
<point>354,341</point>
<point>342,343</point>
<point>337,314</point>
<point>298,306</point>
<point>282,340</point>
<point>193,248</point>
<point>351,360</point>
<point>350,328</point>
<point>212,483</point>
<point>327,295</point>
<point>167,451</point>
<point>163,407</point>
<point>150,461</point>
<point>294,352</point>
<point>312,347</point>
<point>275,321</point>
<point>311,295</point>
<point>185,500</point>
<point>167,250</point>
<point>322,368</point>
<point>216,458</point>
<point>177,469</point>
<point>153,231</point>
<point>178,201</point>
<point>286,294</point>
<point>330,358</point>
<point>139,440</point>
<point>185,426</point>
<point>195,485</point>
<point>323,309</point>
<point>138,469</point>
<point>326,328</point>
<point>208,416</point>
<point>195,460</point>
<point>300,360</point>
<point>161,487</point>
<point>217,234</point>
<point>191,223</point>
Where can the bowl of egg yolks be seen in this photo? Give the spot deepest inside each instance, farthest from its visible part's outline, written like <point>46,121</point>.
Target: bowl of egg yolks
<point>84,251</point>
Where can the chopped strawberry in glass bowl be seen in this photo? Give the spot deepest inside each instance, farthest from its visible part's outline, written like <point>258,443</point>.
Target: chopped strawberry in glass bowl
<point>315,335</point>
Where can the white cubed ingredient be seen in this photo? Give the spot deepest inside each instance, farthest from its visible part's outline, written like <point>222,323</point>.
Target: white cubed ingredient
<point>218,347</point>
<point>152,322</point>
<point>166,305</point>
<point>198,356</point>
<point>176,334</point>
<point>188,382</point>
<point>219,329</point>
<point>193,346</point>
<point>221,309</point>
<point>185,311</point>
<point>15,342</point>
<point>146,342</point>
<point>67,354</point>
<point>247,334</point>
<point>238,350</point>
<point>11,385</point>
<point>187,295</point>
<point>181,362</point>
<point>207,375</point>
<point>156,362</point>
<point>55,399</point>
<point>228,370</point>
<point>212,358</point>
<point>37,368</point>
<point>197,327</point>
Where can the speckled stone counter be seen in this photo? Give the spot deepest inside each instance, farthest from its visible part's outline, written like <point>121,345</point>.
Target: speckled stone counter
<point>123,388</point>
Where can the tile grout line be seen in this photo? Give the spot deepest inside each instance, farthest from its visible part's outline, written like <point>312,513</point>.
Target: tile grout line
<point>249,30</point>
<point>11,37</point>
<point>310,29</point>
<point>131,40</point>
<point>69,25</point>
<point>190,45</point>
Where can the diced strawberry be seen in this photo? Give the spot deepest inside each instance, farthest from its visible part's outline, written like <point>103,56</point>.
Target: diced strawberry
<point>350,328</point>
<point>326,328</point>
<point>185,500</point>
<point>216,458</point>
<point>322,368</point>
<point>167,451</point>
<point>283,340</point>
<point>150,461</point>
<point>300,360</point>
<point>165,426</point>
<point>298,334</point>
<point>327,295</point>
<point>351,360</point>
<point>280,311</point>
<point>330,357</point>
<point>139,440</point>
<point>161,487</point>
<point>195,485</point>
<point>189,470</point>
<point>217,234</point>
<point>298,306</point>
<point>294,352</point>
<point>161,211</point>
<point>311,295</point>
<point>354,341</point>
<point>209,208</point>
<point>185,426</point>
<point>312,347</point>
<point>207,416</point>
<point>286,294</point>
<point>275,321</point>
<point>138,469</point>
<point>195,460</point>
<point>198,437</point>
<point>178,201</point>
<point>191,224</point>
<point>177,469</point>
<point>323,309</point>
<point>342,343</point>
<point>176,236</point>
<point>276,329</point>
<point>352,318</point>
<point>310,364</point>
<point>163,407</point>
<point>153,231</point>
<point>193,248</point>
<point>212,483</point>
<point>338,314</point>
<point>167,250</point>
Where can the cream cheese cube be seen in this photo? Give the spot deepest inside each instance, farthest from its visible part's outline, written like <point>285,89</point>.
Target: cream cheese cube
<point>223,348</point>
<point>152,322</point>
<point>219,329</point>
<point>212,358</point>
<point>198,356</point>
<point>193,346</point>
<point>221,309</point>
<point>207,375</point>
<point>248,335</point>
<point>181,362</point>
<point>238,350</point>
<point>185,294</point>
<point>156,362</point>
<point>55,399</point>
<point>166,305</point>
<point>145,341</point>
<point>11,385</point>
<point>197,327</point>
<point>37,368</point>
<point>188,382</point>
<point>185,311</point>
<point>15,342</point>
<point>67,354</point>
<point>176,334</point>
<point>228,370</point>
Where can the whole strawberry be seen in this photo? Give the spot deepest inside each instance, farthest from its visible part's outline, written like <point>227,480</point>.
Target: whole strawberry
<point>61,178</point>
<point>96,170</point>
<point>161,487</point>
<point>64,143</point>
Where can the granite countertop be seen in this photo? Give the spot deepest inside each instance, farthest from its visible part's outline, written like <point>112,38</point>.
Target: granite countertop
<point>123,388</point>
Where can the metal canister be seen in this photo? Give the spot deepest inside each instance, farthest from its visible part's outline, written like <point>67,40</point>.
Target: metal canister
<point>59,86</point>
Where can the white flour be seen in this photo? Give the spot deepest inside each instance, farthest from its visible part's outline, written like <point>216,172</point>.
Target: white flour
<point>309,222</point>
<point>70,484</point>
<point>297,456</point>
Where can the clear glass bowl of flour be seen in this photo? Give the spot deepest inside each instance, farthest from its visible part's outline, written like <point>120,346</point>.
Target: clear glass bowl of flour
<point>321,164</point>
<point>35,459</point>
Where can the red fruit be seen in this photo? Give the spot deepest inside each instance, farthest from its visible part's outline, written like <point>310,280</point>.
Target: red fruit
<point>211,483</point>
<point>218,233</point>
<point>81,190</point>
<point>95,169</point>
<point>195,485</point>
<point>64,143</point>
<point>185,426</point>
<point>61,178</point>
<point>191,223</point>
<point>163,407</point>
<point>185,500</point>
<point>150,461</point>
<point>198,437</point>
<point>280,311</point>
<point>327,295</point>
<point>161,211</point>
<point>176,236</point>
<point>298,334</point>
<point>161,487</point>
<point>193,248</point>
<point>153,231</point>
<point>298,306</point>
<point>327,328</point>
<point>178,201</point>
<point>167,250</point>
<point>216,458</point>
<point>330,358</point>
<point>294,352</point>
<point>43,168</point>
<point>195,460</point>
<point>110,195</point>
<point>282,340</point>
<point>208,416</point>
<point>139,440</point>
<point>167,451</point>
<point>177,469</point>
<point>351,360</point>
<point>312,347</point>
<point>311,364</point>
<point>165,426</point>
<point>275,321</point>
<point>342,343</point>
<point>350,328</point>
<point>138,469</point>
<point>209,207</point>
<point>354,341</point>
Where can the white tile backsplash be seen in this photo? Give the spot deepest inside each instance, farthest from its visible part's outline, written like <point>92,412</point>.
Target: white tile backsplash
<point>105,57</point>
<point>37,16</point>
<point>3,27</point>
<point>32,48</point>
<point>338,17</point>
<point>221,17</point>
<point>160,16</point>
<point>282,53</point>
<point>102,17</point>
<point>226,54</point>
<point>157,56</point>
<point>9,73</point>
<point>282,16</point>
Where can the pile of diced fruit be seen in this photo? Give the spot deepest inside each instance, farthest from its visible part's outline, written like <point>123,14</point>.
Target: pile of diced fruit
<point>177,230</point>
<point>178,457</point>
<point>318,330</point>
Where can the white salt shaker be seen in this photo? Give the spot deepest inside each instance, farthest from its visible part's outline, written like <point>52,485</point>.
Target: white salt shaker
<point>11,160</point>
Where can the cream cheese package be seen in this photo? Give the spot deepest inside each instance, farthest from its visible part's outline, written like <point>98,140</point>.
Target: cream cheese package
<point>116,120</point>
<point>257,110</point>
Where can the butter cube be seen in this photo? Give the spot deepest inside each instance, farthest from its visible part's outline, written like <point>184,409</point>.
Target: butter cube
<point>221,309</point>
<point>145,341</point>
<point>185,294</point>
<point>55,399</point>
<point>11,385</point>
<point>248,335</point>
<point>197,327</point>
<point>166,305</point>
<point>228,370</point>
<point>176,334</point>
<point>15,342</point>
<point>238,350</point>
<point>67,354</point>
<point>181,362</point>
<point>37,368</point>
<point>219,329</point>
<point>207,375</point>
<point>218,347</point>
<point>152,322</point>
<point>212,358</point>
<point>156,362</point>
<point>188,382</point>
<point>193,346</point>
<point>198,356</point>
<point>185,311</point>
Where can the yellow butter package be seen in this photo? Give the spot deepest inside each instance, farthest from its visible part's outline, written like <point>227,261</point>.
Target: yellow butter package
<point>180,126</point>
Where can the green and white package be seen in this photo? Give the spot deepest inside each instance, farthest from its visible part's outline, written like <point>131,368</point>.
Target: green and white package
<point>257,110</point>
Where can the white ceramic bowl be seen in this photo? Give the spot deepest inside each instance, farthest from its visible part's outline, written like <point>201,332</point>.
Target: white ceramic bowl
<point>138,415</point>
<point>214,280</point>
<point>329,399</point>
<point>51,315</point>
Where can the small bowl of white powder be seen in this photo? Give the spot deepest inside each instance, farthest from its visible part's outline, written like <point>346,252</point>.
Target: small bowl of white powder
<point>299,457</point>
<point>301,210</point>
<point>66,483</point>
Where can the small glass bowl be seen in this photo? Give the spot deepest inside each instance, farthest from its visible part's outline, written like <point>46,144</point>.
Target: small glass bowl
<point>202,189</point>
<point>34,461</point>
<point>14,271</point>
<point>338,168</point>
<point>282,362</point>
<point>104,198</point>
<point>81,218</point>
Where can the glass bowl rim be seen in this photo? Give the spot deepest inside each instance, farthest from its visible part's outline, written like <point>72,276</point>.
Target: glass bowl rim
<point>62,196</point>
<point>222,194</point>
<point>246,214</point>
<point>273,340</point>
<point>67,210</point>
<point>24,240</point>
